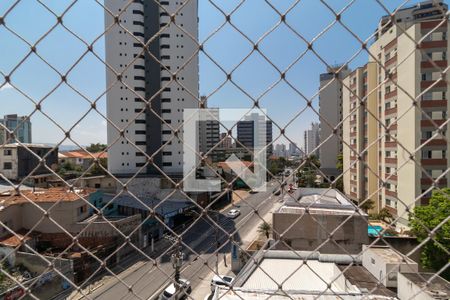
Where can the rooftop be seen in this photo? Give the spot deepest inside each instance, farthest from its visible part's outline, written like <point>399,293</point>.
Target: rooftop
<point>81,153</point>
<point>361,277</point>
<point>279,274</point>
<point>42,196</point>
<point>17,145</point>
<point>227,165</point>
<point>323,200</point>
<point>166,208</point>
<point>437,286</point>
<point>293,274</point>
<point>389,255</point>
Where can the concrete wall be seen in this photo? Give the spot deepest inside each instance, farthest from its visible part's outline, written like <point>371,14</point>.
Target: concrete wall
<point>384,270</point>
<point>38,263</point>
<point>13,173</point>
<point>408,132</point>
<point>408,290</point>
<point>65,214</point>
<point>104,183</point>
<point>307,234</point>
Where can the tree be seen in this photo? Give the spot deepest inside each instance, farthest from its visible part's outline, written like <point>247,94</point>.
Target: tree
<point>385,215</point>
<point>427,218</point>
<point>340,162</point>
<point>96,170</point>
<point>307,173</point>
<point>340,166</point>
<point>369,204</point>
<point>93,148</point>
<point>265,229</point>
<point>68,167</point>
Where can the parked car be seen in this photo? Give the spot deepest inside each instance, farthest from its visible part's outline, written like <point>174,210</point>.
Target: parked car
<point>221,280</point>
<point>170,292</point>
<point>234,213</point>
<point>253,191</point>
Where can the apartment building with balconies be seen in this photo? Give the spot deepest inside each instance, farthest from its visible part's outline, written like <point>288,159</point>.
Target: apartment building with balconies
<point>398,108</point>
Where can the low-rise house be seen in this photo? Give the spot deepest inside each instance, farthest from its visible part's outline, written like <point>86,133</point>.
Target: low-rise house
<point>104,183</point>
<point>320,219</point>
<point>80,158</point>
<point>18,161</point>
<point>50,213</point>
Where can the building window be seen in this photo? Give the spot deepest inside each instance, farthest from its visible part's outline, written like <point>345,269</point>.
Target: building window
<point>7,152</point>
<point>82,209</point>
<point>7,166</point>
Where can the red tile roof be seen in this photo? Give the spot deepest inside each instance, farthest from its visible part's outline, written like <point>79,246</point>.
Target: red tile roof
<point>43,196</point>
<point>81,153</point>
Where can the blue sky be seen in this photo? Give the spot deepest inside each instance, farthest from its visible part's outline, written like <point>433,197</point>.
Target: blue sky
<point>30,20</point>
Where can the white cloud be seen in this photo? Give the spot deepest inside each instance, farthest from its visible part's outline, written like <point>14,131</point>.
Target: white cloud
<point>6,87</point>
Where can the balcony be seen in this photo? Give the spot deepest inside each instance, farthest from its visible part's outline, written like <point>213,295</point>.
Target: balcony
<point>429,123</point>
<point>390,144</point>
<point>390,111</point>
<point>390,160</point>
<point>391,60</point>
<point>428,181</point>
<point>390,45</point>
<point>434,142</point>
<point>390,94</point>
<point>433,44</point>
<point>428,64</point>
<point>390,177</point>
<point>432,24</point>
<point>434,162</point>
<point>433,103</point>
<point>427,83</point>
<point>392,127</point>
<point>390,193</point>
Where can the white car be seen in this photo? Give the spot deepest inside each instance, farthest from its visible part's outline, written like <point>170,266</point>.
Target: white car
<point>221,280</point>
<point>233,213</point>
<point>170,292</point>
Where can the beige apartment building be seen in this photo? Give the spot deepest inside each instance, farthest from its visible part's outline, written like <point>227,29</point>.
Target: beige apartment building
<point>388,140</point>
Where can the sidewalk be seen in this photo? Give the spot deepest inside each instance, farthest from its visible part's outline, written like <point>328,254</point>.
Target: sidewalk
<point>236,197</point>
<point>204,288</point>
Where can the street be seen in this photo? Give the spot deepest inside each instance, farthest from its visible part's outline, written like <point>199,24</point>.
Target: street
<point>148,280</point>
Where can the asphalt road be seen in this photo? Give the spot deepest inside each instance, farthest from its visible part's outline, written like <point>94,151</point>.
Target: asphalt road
<point>148,280</point>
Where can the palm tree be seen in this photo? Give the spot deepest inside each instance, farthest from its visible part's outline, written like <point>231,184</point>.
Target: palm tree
<point>265,229</point>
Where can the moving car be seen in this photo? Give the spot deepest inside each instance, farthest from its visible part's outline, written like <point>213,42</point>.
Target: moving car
<point>221,280</point>
<point>277,192</point>
<point>170,292</point>
<point>233,213</point>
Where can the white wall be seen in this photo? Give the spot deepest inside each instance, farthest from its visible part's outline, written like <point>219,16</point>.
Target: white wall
<point>406,290</point>
<point>121,103</point>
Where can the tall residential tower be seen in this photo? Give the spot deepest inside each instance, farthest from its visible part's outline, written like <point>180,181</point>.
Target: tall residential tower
<point>330,110</point>
<point>151,60</point>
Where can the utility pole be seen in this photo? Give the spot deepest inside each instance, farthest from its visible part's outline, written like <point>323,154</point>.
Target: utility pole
<point>217,244</point>
<point>177,262</point>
